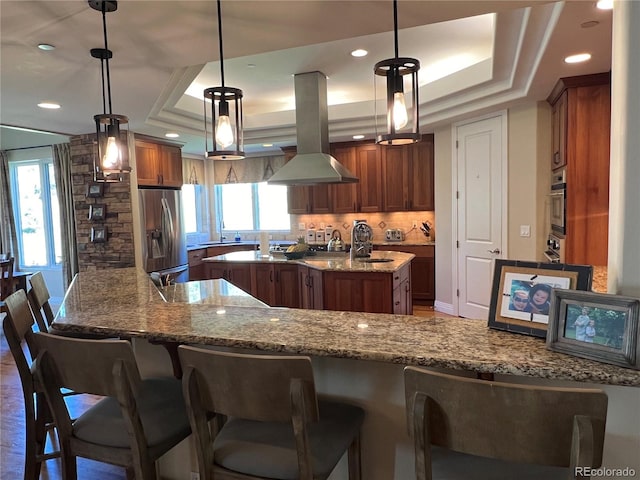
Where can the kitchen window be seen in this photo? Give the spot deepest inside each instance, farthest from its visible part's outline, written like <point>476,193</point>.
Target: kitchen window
<point>251,207</point>
<point>36,212</point>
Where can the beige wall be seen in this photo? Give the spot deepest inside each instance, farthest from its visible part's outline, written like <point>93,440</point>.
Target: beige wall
<point>528,178</point>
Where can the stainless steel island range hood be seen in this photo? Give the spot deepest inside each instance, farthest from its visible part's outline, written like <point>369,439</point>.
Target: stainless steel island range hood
<point>312,164</point>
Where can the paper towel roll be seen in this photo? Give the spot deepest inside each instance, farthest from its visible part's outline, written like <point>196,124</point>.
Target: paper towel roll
<point>264,243</point>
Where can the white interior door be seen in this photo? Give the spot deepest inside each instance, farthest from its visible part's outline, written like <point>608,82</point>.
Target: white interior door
<point>481,154</point>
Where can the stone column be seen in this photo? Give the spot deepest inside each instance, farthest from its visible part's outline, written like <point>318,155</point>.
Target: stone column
<point>624,196</point>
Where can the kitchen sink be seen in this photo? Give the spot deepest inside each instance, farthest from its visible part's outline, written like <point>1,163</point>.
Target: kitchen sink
<point>375,260</point>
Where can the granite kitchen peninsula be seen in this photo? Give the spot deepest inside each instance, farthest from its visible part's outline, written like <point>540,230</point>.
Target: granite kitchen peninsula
<point>380,283</point>
<point>356,356</point>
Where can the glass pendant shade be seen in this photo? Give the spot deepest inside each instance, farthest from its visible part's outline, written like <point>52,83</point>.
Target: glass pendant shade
<point>398,125</point>
<point>223,120</point>
<point>111,160</point>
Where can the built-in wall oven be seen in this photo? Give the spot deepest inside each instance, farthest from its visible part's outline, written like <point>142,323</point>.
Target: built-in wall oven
<point>555,249</point>
<point>558,203</point>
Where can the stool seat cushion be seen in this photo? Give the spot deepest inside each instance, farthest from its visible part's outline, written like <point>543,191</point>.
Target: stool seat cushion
<point>267,449</point>
<point>162,413</point>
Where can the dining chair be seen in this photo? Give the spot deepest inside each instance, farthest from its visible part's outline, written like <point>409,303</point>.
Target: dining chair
<point>276,427</point>
<point>6,281</point>
<point>471,429</point>
<point>135,423</point>
<point>39,300</point>
<point>18,330</point>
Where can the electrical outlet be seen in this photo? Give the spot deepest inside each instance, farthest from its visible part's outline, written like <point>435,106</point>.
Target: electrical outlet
<point>301,226</point>
<point>322,227</point>
<point>525,230</point>
<point>415,224</point>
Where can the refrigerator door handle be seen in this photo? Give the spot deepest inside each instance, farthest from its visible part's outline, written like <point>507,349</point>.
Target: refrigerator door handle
<point>168,223</point>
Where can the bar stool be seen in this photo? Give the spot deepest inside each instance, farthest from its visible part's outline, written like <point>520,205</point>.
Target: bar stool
<point>18,328</point>
<point>277,428</point>
<point>475,429</point>
<point>136,423</point>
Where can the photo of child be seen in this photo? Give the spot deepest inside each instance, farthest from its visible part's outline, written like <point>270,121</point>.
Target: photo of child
<point>595,325</point>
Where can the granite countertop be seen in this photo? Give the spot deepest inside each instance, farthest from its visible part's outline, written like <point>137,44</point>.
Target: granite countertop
<point>211,292</point>
<point>327,261</point>
<point>95,303</point>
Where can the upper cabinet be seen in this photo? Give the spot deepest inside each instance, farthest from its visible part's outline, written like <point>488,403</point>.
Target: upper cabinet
<point>581,133</point>
<point>407,173</point>
<point>158,164</point>
<point>391,179</point>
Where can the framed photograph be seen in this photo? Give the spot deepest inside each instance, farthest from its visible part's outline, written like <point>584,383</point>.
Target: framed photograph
<point>597,326</point>
<point>95,189</point>
<point>98,234</point>
<point>97,211</point>
<point>521,293</point>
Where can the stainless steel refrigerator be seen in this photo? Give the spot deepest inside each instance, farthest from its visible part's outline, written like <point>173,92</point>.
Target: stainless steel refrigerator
<point>164,245</point>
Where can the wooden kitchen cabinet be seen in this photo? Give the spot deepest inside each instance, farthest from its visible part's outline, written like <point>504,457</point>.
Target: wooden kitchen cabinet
<point>407,173</point>
<point>423,272</point>
<point>310,288</point>
<point>158,164</point>
<point>196,265</point>
<point>345,195</point>
<point>370,175</point>
<point>373,292</point>
<point>584,137</point>
<point>237,273</point>
<point>276,284</point>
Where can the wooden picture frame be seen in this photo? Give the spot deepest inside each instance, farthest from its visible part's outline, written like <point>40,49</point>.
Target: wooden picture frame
<point>95,189</point>
<point>514,280</point>
<point>98,234</point>
<point>597,326</point>
<point>97,211</point>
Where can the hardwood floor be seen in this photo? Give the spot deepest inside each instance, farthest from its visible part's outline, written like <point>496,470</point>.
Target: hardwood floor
<point>12,423</point>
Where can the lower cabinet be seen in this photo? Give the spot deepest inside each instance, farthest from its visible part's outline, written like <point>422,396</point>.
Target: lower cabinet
<point>294,285</point>
<point>368,292</point>
<point>196,265</point>
<point>276,284</point>
<point>237,273</point>
<point>310,288</point>
<point>423,270</point>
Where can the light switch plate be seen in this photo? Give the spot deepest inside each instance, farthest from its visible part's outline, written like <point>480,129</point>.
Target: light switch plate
<point>525,230</point>
<point>302,226</point>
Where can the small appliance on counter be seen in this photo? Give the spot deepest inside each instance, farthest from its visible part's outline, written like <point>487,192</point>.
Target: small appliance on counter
<point>335,243</point>
<point>361,239</point>
<point>394,235</point>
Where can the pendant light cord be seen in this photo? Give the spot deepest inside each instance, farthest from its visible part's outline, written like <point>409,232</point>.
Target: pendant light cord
<point>106,48</point>
<point>220,43</point>
<point>395,25</point>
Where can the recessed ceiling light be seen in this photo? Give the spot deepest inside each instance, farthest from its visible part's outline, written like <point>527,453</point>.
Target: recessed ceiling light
<point>359,53</point>
<point>171,135</point>
<point>267,144</point>
<point>578,58</point>
<point>358,137</point>
<point>49,105</point>
<point>251,65</point>
<point>46,47</point>
<point>605,4</point>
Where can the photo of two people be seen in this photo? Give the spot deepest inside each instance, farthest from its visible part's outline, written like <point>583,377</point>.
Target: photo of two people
<point>527,297</point>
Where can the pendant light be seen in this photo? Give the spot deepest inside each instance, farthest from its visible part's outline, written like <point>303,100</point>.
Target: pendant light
<point>111,161</point>
<point>401,106</point>
<point>226,125</point>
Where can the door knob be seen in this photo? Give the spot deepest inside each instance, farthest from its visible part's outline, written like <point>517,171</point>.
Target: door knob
<point>495,250</point>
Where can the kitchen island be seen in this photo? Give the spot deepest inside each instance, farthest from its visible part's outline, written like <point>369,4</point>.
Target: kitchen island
<point>380,283</point>
<point>356,356</point>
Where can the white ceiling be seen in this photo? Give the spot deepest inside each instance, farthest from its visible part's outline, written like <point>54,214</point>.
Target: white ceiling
<point>162,47</point>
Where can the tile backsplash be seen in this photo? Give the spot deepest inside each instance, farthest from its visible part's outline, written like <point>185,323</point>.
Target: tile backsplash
<point>379,222</point>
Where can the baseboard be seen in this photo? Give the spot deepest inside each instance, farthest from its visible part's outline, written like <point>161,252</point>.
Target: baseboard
<point>443,307</point>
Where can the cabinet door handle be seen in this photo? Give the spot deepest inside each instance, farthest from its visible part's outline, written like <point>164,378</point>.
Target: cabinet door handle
<point>271,276</point>
<point>398,303</point>
<point>396,277</point>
